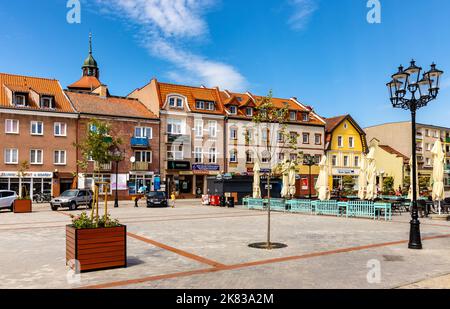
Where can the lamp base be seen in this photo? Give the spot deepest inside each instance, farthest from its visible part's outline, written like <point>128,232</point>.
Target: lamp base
<point>415,241</point>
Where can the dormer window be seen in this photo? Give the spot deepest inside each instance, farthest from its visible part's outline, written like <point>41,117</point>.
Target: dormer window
<point>20,99</point>
<point>305,117</point>
<point>249,111</point>
<point>205,105</point>
<point>233,110</point>
<point>176,102</point>
<point>292,116</point>
<point>47,102</point>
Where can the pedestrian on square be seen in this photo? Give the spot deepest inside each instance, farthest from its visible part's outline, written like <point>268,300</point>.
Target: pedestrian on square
<point>173,199</point>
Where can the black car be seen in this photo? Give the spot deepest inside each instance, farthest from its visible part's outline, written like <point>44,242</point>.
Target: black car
<point>157,199</point>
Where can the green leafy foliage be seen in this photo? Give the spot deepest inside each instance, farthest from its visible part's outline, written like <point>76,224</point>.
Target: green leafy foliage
<point>83,221</point>
<point>349,184</point>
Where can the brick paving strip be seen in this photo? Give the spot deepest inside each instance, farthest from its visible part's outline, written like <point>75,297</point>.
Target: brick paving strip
<point>248,264</point>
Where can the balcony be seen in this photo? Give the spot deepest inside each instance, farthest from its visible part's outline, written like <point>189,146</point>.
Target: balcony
<point>140,166</point>
<point>140,142</point>
<point>178,138</point>
<point>103,167</point>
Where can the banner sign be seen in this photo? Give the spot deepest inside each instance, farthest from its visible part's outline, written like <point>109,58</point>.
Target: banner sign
<point>206,167</point>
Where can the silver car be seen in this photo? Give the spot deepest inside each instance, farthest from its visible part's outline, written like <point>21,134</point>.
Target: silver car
<point>72,199</point>
<point>7,199</point>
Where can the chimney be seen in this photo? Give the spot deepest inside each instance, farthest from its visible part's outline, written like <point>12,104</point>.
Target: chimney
<point>102,91</point>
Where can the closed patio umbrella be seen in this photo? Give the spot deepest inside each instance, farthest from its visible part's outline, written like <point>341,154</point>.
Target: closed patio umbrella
<point>322,182</point>
<point>371,176</point>
<point>438,173</point>
<point>362,180</point>
<point>292,178</point>
<point>285,171</point>
<point>257,179</point>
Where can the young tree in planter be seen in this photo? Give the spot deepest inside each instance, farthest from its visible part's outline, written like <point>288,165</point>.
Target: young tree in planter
<point>99,146</point>
<point>23,168</point>
<point>272,138</point>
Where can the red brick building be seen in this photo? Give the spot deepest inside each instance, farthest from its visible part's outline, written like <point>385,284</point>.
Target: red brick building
<point>37,125</point>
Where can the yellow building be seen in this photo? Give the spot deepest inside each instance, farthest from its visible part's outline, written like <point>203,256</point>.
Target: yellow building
<point>390,163</point>
<point>345,145</point>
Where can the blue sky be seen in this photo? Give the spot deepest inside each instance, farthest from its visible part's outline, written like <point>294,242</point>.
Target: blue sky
<point>324,52</point>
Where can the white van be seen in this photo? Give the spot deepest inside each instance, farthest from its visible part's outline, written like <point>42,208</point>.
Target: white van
<point>7,199</point>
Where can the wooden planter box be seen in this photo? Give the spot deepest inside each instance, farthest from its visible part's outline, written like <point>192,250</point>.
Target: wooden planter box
<point>96,249</point>
<point>22,206</point>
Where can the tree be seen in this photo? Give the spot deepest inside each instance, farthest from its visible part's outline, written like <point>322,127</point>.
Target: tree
<point>349,184</point>
<point>271,139</point>
<point>98,146</point>
<point>388,185</point>
<point>24,166</point>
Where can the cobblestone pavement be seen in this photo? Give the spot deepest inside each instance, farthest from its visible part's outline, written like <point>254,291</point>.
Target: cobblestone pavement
<point>193,246</point>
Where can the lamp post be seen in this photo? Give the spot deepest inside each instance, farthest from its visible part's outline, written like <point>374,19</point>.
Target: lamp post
<point>118,157</point>
<point>409,91</point>
<point>309,161</point>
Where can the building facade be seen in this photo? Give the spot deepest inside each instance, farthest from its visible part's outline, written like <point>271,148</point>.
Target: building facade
<point>37,125</point>
<point>398,135</point>
<point>192,134</point>
<point>345,145</point>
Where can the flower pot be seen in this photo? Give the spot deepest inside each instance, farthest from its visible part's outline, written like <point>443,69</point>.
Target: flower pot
<point>22,206</point>
<point>96,249</point>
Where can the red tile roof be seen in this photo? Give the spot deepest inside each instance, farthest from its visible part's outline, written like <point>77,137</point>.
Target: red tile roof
<point>86,83</point>
<point>391,150</point>
<point>33,85</point>
<point>88,103</point>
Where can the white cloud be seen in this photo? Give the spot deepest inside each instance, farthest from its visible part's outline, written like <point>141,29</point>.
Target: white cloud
<point>302,11</point>
<point>165,26</point>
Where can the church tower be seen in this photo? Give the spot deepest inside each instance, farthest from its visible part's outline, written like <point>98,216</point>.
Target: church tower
<point>91,74</point>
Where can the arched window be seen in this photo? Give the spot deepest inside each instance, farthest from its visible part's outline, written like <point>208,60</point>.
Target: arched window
<point>233,156</point>
<point>249,157</point>
<point>175,101</point>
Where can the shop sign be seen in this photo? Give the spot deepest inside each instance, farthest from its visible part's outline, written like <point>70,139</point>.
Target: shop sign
<point>205,167</point>
<point>305,183</point>
<point>345,172</point>
<point>179,165</point>
<point>27,174</point>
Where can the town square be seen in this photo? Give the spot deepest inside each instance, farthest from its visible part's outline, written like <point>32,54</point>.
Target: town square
<point>179,145</point>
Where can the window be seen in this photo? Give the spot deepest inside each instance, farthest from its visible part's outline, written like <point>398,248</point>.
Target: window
<point>143,156</point>
<point>428,146</point>
<point>427,132</point>
<point>345,126</point>
<point>198,155</point>
<point>280,137</point>
<point>248,157</point>
<point>305,138</point>
<point>265,135</point>
<point>318,139</point>
<point>59,157</point>
<point>292,116</point>
<point>175,126</point>
<point>317,158</point>
<point>175,152</point>
<point>61,129</point>
<point>345,160</point>
<point>351,142</point>
<point>211,106</point>
<point>212,156</point>
<point>248,136</point>
<point>12,126</point>
<point>356,161</point>
<point>428,161</point>
<point>293,137</point>
<point>249,111</point>
<point>198,128</point>
<point>293,157</point>
<point>340,141</point>
<point>92,128</point>
<point>212,128</point>
<point>143,132</point>
<point>47,102</point>
<point>265,157</point>
<point>233,110</point>
<point>37,128</point>
<point>233,134</point>
<point>233,156</point>
<point>200,105</point>
<point>36,156</point>
<point>20,100</point>
<point>334,160</point>
<point>11,156</point>
<point>305,117</point>
<point>280,157</point>
<point>176,102</point>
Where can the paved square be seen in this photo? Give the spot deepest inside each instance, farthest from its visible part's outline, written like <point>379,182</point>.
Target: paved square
<point>193,246</point>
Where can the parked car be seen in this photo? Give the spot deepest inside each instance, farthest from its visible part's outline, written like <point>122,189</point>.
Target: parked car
<point>7,199</point>
<point>72,199</point>
<point>157,199</point>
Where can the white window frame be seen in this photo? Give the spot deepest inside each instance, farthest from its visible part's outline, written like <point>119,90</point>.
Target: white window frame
<point>143,132</point>
<point>33,160</point>
<point>198,128</point>
<point>305,117</point>
<point>20,96</point>
<point>249,154</point>
<point>233,110</point>
<point>145,152</point>
<point>233,133</point>
<point>293,116</point>
<point>175,123</point>
<point>36,123</point>
<point>175,152</point>
<point>61,125</point>
<point>346,162</point>
<point>340,140</point>
<point>233,156</point>
<point>212,155</point>
<point>356,161</point>
<point>176,100</point>
<point>59,157</point>
<point>12,126</point>
<point>247,112</point>
<point>212,128</point>
<point>307,135</point>
<point>351,142</point>
<point>10,156</point>
<point>198,155</point>
<point>334,160</point>
<point>51,104</point>
<point>280,137</point>
<point>318,139</point>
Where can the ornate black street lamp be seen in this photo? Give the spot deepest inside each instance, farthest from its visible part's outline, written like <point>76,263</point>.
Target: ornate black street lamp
<point>310,161</point>
<point>411,92</point>
<point>118,157</point>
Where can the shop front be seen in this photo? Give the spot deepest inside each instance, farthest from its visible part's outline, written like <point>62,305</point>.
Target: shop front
<point>338,175</point>
<point>32,182</point>
<point>201,172</point>
<point>180,177</point>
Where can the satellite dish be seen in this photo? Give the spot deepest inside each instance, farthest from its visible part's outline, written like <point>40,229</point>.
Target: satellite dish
<point>132,159</point>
